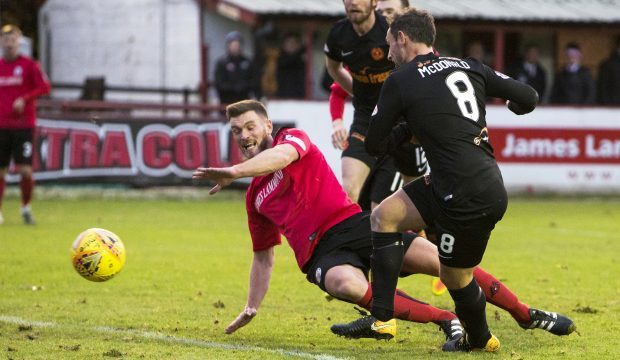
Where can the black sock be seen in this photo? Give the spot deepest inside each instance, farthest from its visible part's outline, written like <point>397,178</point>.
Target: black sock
<point>385,263</point>
<point>470,306</point>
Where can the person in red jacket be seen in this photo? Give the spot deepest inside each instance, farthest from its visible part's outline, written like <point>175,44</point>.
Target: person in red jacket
<point>21,82</point>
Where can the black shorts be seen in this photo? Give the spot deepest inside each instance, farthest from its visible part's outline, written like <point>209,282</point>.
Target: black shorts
<point>411,160</point>
<point>382,181</point>
<point>357,135</point>
<point>16,144</point>
<point>348,242</point>
<point>357,150</point>
<point>462,235</point>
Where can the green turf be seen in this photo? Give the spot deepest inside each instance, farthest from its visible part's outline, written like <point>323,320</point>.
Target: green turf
<point>186,278</point>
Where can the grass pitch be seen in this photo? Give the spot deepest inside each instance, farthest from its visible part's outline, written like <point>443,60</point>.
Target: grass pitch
<point>186,278</point>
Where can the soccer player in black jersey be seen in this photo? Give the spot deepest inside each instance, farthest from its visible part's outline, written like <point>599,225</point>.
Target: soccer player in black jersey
<point>443,102</point>
<point>358,42</point>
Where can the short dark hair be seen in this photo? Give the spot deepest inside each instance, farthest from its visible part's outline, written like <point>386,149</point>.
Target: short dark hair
<point>243,106</point>
<point>573,45</point>
<point>417,24</point>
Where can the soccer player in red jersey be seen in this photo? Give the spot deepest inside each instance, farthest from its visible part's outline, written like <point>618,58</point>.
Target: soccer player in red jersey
<point>295,193</point>
<point>21,82</point>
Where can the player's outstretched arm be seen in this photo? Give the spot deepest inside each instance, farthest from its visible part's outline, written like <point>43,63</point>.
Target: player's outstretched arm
<point>260,276</point>
<point>222,176</point>
<point>266,162</point>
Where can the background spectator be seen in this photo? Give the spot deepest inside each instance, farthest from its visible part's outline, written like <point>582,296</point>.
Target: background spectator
<point>291,68</point>
<point>574,84</point>
<point>609,78</point>
<point>529,70</point>
<point>234,73</point>
<point>476,50</point>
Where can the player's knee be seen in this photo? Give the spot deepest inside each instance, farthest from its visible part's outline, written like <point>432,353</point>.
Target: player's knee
<point>344,287</point>
<point>381,220</point>
<point>25,171</point>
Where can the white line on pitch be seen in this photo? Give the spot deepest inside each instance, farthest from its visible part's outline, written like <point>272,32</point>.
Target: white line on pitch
<point>173,339</point>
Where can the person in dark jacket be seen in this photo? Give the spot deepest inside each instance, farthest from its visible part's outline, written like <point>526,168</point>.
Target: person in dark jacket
<point>609,78</point>
<point>574,84</point>
<point>291,69</point>
<point>529,70</point>
<point>234,72</point>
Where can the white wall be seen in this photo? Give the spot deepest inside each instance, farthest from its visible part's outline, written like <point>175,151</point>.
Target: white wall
<point>152,43</point>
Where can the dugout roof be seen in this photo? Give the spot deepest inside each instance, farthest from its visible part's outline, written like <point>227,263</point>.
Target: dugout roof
<point>581,11</point>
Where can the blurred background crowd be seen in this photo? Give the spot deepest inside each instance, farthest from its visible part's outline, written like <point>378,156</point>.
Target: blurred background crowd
<point>218,51</point>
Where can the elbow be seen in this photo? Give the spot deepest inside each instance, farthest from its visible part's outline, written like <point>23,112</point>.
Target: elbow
<point>265,258</point>
<point>289,157</point>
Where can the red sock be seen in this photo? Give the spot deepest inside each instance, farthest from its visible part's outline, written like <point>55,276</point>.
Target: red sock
<point>2,186</point>
<point>26,184</point>
<point>501,296</point>
<point>410,309</point>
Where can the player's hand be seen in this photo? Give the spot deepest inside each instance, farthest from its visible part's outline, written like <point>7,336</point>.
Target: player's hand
<point>222,176</point>
<point>18,105</point>
<point>242,320</point>
<point>339,135</point>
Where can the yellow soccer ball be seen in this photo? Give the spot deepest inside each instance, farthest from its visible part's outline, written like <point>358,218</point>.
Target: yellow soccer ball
<point>98,254</point>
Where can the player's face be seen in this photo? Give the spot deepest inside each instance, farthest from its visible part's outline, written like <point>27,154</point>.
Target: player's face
<point>252,133</point>
<point>358,11</point>
<point>389,9</point>
<point>397,49</point>
<point>10,45</point>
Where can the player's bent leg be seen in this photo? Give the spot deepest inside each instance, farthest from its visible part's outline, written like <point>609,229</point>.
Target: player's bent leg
<point>397,213</point>
<point>390,217</point>
<point>346,282</point>
<point>354,173</point>
<point>421,258</point>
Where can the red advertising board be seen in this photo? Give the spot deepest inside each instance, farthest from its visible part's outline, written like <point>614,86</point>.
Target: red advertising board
<point>556,145</point>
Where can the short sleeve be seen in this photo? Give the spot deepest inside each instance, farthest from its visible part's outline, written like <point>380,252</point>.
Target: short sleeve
<point>298,139</point>
<point>264,233</point>
<point>332,48</point>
